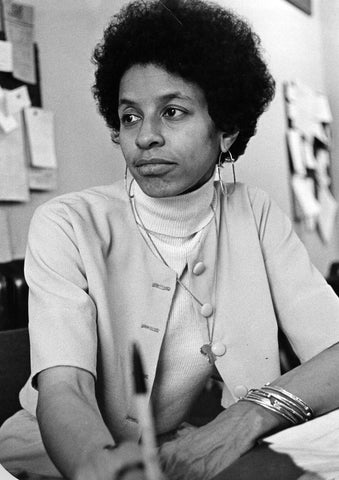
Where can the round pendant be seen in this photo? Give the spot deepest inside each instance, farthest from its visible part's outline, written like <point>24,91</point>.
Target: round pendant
<point>218,348</point>
<point>206,310</point>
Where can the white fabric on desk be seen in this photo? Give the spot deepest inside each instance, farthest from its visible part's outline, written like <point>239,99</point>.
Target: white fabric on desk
<point>4,475</point>
<point>314,445</point>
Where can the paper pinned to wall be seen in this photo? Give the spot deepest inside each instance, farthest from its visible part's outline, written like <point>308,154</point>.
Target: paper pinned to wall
<point>19,26</point>
<point>8,123</point>
<point>6,56</point>
<point>310,160</point>
<point>13,174</point>
<point>296,149</point>
<point>323,111</point>
<point>39,126</point>
<point>42,179</point>
<point>304,191</point>
<point>309,143</point>
<point>16,100</point>
<point>6,254</point>
<point>328,210</point>
<point>323,165</point>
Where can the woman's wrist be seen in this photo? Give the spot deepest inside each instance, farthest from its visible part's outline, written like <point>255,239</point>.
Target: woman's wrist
<point>259,421</point>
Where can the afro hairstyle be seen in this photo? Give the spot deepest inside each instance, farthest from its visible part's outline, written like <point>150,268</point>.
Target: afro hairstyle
<point>197,40</point>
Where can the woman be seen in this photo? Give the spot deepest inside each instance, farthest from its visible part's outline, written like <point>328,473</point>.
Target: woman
<point>198,272</point>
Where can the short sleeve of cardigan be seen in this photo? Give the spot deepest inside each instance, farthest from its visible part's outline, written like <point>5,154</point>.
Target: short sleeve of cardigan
<point>306,306</point>
<point>62,316</point>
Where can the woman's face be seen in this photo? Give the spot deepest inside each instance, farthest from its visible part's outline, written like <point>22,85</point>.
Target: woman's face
<point>167,137</point>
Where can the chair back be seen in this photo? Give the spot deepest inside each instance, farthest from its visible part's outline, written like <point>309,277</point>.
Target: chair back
<point>14,369</point>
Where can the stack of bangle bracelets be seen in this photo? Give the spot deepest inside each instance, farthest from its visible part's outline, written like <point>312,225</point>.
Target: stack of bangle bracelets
<point>280,401</point>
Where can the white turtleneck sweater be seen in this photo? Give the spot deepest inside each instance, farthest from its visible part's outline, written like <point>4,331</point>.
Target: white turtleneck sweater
<point>177,226</point>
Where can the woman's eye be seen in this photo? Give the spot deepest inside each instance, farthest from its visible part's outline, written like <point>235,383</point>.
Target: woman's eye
<point>173,112</point>
<point>129,118</point>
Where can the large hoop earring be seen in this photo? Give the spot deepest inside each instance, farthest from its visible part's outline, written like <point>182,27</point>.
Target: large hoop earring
<point>226,157</point>
<point>219,176</point>
<point>128,188</point>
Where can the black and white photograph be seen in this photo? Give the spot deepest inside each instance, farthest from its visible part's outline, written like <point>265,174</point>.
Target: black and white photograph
<point>169,240</point>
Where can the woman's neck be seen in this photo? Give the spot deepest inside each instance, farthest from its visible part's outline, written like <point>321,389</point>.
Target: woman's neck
<point>178,216</point>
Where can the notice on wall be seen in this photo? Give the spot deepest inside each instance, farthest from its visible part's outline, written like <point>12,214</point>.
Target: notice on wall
<point>309,145</point>
<point>8,123</point>
<point>16,100</point>
<point>19,28</point>
<point>13,173</point>
<point>39,126</point>
<point>6,56</point>
<point>42,179</point>
<point>326,220</point>
<point>6,244</point>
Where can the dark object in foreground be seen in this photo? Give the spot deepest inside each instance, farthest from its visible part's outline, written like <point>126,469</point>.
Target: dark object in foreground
<point>264,464</point>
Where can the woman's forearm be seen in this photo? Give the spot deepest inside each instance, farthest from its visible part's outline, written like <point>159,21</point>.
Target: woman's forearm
<point>316,381</point>
<point>213,447</point>
<point>72,430</point>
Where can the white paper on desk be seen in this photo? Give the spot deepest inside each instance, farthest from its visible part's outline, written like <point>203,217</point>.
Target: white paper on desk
<point>312,445</point>
<point>6,56</point>
<point>39,126</point>
<point>13,174</point>
<point>19,25</point>
<point>4,475</point>
<point>303,189</point>
<point>42,179</point>
<point>6,254</point>
<point>296,149</point>
<point>16,100</point>
<point>327,216</point>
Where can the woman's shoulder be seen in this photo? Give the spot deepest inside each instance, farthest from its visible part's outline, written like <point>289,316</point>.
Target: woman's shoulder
<point>248,196</point>
<point>95,199</point>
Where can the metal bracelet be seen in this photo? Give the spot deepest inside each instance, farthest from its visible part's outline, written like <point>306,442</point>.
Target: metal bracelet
<point>268,406</point>
<point>281,402</point>
<point>277,403</point>
<point>297,401</point>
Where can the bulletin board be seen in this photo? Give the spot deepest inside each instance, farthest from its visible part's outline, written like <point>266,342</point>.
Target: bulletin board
<point>308,139</point>
<point>27,150</point>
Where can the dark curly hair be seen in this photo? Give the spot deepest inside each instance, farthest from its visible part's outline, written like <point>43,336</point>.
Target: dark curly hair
<point>201,42</point>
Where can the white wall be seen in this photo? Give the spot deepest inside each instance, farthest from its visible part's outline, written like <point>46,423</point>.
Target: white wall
<point>66,32</point>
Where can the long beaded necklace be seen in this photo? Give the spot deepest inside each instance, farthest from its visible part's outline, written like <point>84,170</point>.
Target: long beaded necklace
<point>211,349</point>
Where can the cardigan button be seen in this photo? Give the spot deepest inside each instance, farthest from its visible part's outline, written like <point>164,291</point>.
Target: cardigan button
<point>240,391</point>
<point>218,348</point>
<point>199,268</point>
<point>206,310</point>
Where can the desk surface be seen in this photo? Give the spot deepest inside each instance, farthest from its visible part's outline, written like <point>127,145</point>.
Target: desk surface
<point>260,463</point>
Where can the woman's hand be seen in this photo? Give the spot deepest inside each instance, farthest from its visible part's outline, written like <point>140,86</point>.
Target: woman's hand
<point>121,463</point>
<point>206,451</point>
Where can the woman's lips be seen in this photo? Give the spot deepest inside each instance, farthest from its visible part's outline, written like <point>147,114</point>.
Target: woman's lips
<point>154,167</point>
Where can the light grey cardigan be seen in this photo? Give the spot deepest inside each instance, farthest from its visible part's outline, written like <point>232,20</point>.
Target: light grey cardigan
<point>95,287</point>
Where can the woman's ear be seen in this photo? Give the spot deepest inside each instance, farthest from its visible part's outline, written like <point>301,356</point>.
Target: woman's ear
<point>226,141</point>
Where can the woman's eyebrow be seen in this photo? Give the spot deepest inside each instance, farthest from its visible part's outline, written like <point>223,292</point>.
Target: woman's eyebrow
<point>161,98</point>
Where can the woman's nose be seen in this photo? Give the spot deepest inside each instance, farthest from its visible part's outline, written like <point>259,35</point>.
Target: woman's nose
<point>149,135</point>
